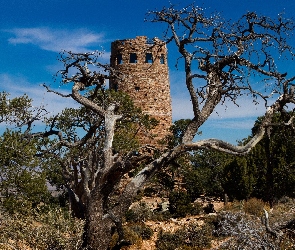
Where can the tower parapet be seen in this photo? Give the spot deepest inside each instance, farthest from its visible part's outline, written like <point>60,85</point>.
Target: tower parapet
<point>146,79</point>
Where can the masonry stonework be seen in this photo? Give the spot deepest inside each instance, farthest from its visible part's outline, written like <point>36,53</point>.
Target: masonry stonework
<point>145,79</point>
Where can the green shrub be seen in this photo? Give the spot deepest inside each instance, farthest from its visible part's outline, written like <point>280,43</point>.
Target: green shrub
<point>234,206</point>
<point>180,204</point>
<point>130,236</point>
<point>197,208</point>
<point>168,241</point>
<point>140,212</point>
<point>190,237</point>
<point>142,230</point>
<point>133,234</point>
<point>199,237</point>
<point>52,230</point>
<point>161,216</point>
<point>149,191</point>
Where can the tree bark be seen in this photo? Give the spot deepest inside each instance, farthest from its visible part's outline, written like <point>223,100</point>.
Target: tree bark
<point>269,194</point>
<point>98,227</point>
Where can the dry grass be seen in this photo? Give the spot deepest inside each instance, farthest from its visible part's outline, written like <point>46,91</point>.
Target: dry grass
<point>54,229</point>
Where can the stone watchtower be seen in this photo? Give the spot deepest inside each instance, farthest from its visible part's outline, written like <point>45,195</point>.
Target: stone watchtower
<point>146,80</point>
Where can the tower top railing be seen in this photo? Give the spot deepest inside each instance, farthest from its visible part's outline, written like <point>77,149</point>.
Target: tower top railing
<point>142,39</point>
<point>150,41</point>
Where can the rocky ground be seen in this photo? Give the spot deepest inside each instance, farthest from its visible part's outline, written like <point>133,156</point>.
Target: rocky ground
<point>171,225</point>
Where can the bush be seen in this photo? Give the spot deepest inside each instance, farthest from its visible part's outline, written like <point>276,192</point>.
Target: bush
<point>52,230</point>
<point>168,241</point>
<point>149,191</point>
<point>197,208</point>
<point>142,230</point>
<point>161,216</point>
<point>130,236</point>
<point>254,206</point>
<point>191,237</point>
<point>140,212</point>
<point>243,232</point>
<point>180,204</point>
<point>133,235</point>
<point>246,231</point>
<point>236,206</point>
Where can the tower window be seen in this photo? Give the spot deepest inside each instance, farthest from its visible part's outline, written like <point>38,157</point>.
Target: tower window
<point>149,58</point>
<point>133,58</point>
<point>119,59</point>
<point>162,59</point>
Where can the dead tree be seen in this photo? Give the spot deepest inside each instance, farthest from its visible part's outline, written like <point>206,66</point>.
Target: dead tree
<point>222,62</point>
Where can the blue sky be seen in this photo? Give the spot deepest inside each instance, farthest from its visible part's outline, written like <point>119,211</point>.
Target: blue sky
<point>32,33</point>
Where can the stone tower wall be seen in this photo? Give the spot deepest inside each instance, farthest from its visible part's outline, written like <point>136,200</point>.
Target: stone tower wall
<point>146,79</point>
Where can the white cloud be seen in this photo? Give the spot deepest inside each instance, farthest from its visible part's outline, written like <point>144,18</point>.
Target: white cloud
<point>245,109</point>
<point>79,40</point>
<point>182,108</point>
<point>233,124</point>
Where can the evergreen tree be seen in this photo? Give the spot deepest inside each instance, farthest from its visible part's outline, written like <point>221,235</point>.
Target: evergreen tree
<point>22,181</point>
<point>275,159</point>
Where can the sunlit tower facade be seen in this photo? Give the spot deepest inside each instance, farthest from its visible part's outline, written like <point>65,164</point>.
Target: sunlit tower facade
<point>143,64</point>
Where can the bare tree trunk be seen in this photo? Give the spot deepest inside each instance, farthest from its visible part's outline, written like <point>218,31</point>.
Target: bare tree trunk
<point>102,221</point>
<point>269,194</point>
<point>77,208</point>
<point>98,228</point>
